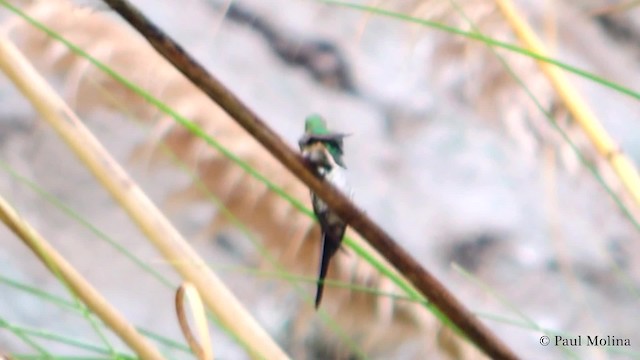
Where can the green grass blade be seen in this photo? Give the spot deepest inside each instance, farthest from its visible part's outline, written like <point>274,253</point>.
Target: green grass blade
<point>487,40</point>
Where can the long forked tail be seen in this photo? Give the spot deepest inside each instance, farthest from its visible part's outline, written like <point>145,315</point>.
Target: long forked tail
<point>324,266</point>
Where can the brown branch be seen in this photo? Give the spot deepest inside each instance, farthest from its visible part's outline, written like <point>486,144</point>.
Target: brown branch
<point>426,283</point>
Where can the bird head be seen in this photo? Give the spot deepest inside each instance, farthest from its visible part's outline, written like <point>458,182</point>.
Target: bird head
<point>317,136</point>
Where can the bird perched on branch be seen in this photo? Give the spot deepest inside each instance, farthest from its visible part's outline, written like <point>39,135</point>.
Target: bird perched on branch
<point>323,150</point>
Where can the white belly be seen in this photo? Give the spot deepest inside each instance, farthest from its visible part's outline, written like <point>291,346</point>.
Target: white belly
<point>338,178</point>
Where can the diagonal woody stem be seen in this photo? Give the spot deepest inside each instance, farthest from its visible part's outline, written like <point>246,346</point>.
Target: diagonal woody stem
<point>426,283</point>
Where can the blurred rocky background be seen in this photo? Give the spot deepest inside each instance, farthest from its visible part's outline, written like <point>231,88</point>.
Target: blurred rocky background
<point>449,154</point>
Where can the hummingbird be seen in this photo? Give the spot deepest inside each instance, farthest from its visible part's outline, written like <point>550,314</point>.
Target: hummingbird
<point>323,150</point>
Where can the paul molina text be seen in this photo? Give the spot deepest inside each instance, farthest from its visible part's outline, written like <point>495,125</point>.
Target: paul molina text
<point>592,340</point>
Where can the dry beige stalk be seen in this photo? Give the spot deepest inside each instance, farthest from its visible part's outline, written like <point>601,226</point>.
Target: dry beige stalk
<point>72,278</point>
<point>493,91</point>
<point>145,214</point>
